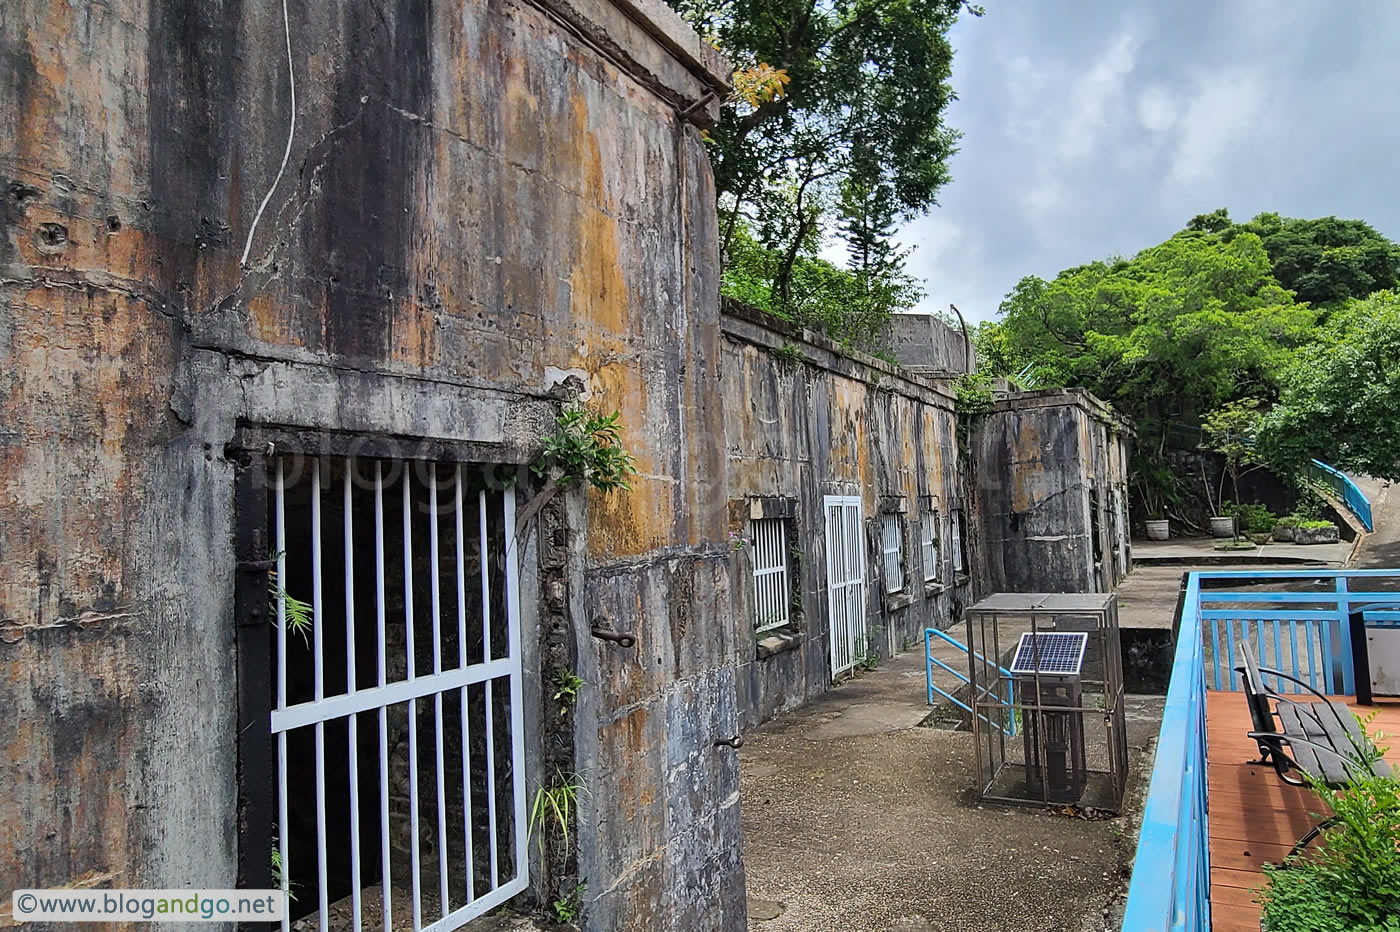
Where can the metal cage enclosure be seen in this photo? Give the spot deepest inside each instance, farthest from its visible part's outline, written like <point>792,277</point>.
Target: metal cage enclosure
<point>1047,696</point>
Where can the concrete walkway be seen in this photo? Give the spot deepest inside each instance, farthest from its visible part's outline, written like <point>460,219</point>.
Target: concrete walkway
<point>1381,549</point>
<point>857,820</point>
<point>1201,552</point>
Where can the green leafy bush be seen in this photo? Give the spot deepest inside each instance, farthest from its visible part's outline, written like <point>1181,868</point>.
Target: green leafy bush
<point>1351,881</point>
<point>1253,518</point>
<point>1313,525</point>
<point>1290,521</point>
<point>586,448</point>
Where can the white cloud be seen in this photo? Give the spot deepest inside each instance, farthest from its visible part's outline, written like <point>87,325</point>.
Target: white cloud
<point>1224,113</point>
<point>1095,97</point>
<point>1157,109</point>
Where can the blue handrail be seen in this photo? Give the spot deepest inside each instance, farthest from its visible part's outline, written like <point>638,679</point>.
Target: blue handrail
<point>1306,634</point>
<point>1355,500</point>
<point>930,661</point>
<point>1170,888</point>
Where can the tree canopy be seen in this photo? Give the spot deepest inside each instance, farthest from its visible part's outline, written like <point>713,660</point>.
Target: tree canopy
<point>837,124</point>
<point>1341,394</point>
<point>1169,334</point>
<point>1298,318</point>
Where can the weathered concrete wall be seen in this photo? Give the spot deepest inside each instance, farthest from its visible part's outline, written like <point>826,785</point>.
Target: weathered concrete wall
<point>805,420</point>
<point>923,343</point>
<point>1044,462</point>
<point>481,200</point>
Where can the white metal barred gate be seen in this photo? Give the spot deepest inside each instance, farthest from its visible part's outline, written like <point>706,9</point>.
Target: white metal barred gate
<point>423,651</point>
<point>845,582</point>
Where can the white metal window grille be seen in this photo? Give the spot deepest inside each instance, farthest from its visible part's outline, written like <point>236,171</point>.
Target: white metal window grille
<point>398,716</point>
<point>845,581</point>
<point>928,544</point>
<point>958,542</point>
<point>770,576</point>
<point>892,546</point>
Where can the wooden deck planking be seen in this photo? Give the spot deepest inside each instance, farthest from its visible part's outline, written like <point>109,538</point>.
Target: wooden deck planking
<point>1254,816</point>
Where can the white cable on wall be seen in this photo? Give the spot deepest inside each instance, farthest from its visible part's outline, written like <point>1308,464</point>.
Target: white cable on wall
<point>291,132</point>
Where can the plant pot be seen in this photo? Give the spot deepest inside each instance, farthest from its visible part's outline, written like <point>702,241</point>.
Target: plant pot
<point>1283,534</point>
<point>1317,535</point>
<point>1159,530</point>
<point>1261,539</point>
<point>1222,527</point>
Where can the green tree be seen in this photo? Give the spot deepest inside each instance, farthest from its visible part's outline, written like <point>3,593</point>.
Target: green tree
<point>1173,332</point>
<point>1232,431</point>
<point>835,98</point>
<point>1341,394</point>
<point>1322,261</point>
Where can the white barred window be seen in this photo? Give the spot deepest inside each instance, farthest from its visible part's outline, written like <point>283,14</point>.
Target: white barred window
<point>893,547</point>
<point>772,594</point>
<point>959,561</point>
<point>928,543</point>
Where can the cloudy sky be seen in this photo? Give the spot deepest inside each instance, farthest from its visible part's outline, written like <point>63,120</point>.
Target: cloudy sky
<point>1095,129</point>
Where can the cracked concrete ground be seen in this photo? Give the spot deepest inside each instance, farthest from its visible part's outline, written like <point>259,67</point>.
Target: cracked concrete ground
<point>858,820</point>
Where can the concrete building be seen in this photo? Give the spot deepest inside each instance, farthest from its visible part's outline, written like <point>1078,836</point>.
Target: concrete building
<point>276,574</point>
<point>1051,471</point>
<point>844,476</point>
<point>485,208</point>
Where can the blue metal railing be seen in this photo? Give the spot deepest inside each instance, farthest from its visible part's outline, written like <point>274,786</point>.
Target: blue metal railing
<point>1172,889</point>
<point>1340,483</point>
<point>1303,633</point>
<point>931,661</point>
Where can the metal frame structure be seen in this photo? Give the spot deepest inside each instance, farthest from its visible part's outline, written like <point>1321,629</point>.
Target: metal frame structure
<point>481,676</point>
<point>1002,700</point>
<point>892,549</point>
<point>772,595</point>
<point>845,580</point>
<point>928,544</point>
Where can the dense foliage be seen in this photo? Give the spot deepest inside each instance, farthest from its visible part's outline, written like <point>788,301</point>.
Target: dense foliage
<point>1341,394</point>
<point>1281,315</point>
<point>836,127</point>
<point>1351,881</point>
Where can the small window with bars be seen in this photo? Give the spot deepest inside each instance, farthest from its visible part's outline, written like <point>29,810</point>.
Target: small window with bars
<point>771,589</point>
<point>892,545</point>
<point>928,543</point>
<point>959,544</point>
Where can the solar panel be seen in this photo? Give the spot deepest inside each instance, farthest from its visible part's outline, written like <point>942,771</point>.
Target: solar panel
<point>1059,653</point>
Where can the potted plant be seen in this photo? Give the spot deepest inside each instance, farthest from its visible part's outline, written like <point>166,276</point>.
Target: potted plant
<point>1230,431</point>
<point>1349,879</point>
<point>1316,532</point>
<point>1158,527</point>
<point>1283,530</point>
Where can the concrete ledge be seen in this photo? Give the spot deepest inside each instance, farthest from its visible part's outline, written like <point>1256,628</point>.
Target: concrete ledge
<point>777,642</point>
<point>761,329</point>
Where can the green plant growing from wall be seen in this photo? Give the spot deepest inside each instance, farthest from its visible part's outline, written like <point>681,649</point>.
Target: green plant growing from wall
<point>870,657</point>
<point>566,687</point>
<point>279,879</point>
<point>585,449</point>
<point>555,806</point>
<point>789,354</point>
<point>566,908</point>
<point>298,613</point>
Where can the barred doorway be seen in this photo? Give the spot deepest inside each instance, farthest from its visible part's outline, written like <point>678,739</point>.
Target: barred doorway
<point>393,693</point>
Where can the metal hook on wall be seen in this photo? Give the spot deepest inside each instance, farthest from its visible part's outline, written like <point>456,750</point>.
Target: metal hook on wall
<point>620,639</point>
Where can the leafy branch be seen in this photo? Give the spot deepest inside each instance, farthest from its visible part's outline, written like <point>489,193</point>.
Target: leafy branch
<point>586,447</point>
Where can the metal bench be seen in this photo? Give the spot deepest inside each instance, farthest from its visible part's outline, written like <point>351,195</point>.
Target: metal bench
<point>1321,738</point>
